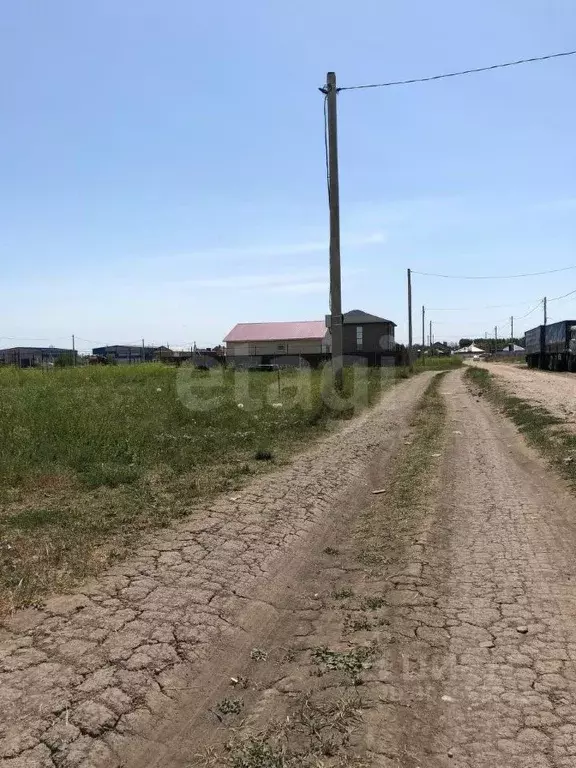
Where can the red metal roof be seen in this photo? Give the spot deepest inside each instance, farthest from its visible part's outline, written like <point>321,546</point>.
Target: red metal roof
<point>307,329</point>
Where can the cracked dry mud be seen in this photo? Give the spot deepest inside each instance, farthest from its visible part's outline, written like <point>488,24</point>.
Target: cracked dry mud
<point>463,602</point>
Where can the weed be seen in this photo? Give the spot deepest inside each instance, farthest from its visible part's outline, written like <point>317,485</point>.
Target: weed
<point>257,753</point>
<point>290,655</point>
<point>373,603</point>
<point>357,624</point>
<point>230,706</point>
<point>331,551</point>
<point>350,662</point>
<point>342,594</point>
<point>257,654</point>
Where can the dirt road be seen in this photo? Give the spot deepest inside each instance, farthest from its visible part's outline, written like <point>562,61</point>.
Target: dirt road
<point>555,391</point>
<point>309,623</point>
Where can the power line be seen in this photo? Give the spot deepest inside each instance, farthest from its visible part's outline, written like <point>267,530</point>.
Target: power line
<point>472,309</point>
<point>461,72</point>
<point>530,312</point>
<point>492,277</point>
<point>557,298</point>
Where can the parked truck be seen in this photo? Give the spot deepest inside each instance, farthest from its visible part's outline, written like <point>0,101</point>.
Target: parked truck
<point>552,347</point>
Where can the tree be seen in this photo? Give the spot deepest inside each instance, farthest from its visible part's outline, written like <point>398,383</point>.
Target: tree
<point>465,342</point>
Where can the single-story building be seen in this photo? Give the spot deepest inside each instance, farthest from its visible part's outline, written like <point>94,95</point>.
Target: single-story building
<point>469,351</point>
<point>33,357</point>
<point>512,349</point>
<point>364,335</point>
<point>124,354</point>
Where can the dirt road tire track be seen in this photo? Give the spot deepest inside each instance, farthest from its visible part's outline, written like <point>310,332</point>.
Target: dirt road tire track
<point>554,391</point>
<point>509,601</point>
<point>83,680</point>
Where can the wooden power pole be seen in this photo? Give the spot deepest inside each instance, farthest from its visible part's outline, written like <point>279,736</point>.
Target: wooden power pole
<point>423,327</point>
<point>409,274</point>
<point>331,93</point>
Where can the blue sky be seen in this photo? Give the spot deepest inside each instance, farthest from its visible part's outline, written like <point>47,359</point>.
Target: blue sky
<point>163,164</point>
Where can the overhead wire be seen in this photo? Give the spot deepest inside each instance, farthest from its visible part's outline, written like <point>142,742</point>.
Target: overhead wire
<point>494,277</point>
<point>565,295</point>
<point>460,73</point>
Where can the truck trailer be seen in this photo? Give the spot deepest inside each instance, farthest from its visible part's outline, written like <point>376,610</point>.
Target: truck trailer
<point>552,347</point>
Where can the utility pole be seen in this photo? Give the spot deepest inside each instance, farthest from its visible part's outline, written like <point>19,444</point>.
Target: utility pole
<point>143,352</point>
<point>430,342</point>
<point>495,339</point>
<point>73,350</point>
<point>545,302</point>
<point>512,332</point>
<point>409,274</point>
<point>331,94</point>
<point>423,326</point>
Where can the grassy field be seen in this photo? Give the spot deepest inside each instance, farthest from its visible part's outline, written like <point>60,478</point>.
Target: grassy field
<point>90,457</point>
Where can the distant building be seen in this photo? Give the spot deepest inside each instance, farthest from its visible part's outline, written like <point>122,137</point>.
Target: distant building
<point>33,357</point>
<point>512,349</point>
<point>364,335</point>
<point>469,351</point>
<point>441,349</point>
<point>124,354</point>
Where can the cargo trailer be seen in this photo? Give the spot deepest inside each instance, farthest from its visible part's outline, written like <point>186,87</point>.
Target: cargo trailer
<point>552,347</point>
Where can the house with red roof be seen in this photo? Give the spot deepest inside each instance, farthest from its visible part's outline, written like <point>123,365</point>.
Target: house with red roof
<point>364,335</point>
<point>273,339</point>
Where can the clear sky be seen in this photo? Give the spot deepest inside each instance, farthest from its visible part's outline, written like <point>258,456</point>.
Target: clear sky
<point>162,164</point>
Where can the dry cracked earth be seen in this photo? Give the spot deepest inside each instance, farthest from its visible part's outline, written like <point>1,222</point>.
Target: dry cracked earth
<point>307,621</point>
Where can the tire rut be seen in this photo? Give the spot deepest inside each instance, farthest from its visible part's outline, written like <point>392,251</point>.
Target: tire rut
<point>508,677</point>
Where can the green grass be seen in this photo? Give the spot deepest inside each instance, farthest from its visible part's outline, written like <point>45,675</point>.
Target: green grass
<point>407,496</point>
<point>438,363</point>
<point>90,457</point>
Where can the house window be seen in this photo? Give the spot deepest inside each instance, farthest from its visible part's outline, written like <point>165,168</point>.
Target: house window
<point>359,337</point>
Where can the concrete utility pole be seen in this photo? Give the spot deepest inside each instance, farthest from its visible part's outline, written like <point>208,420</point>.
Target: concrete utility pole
<point>143,352</point>
<point>331,93</point>
<point>545,310</point>
<point>423,325</point>
<point>430,340</point>
<point>495,339</point>
<point>73,350</point>
<point>512,330</point>
<point>409,274</point>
